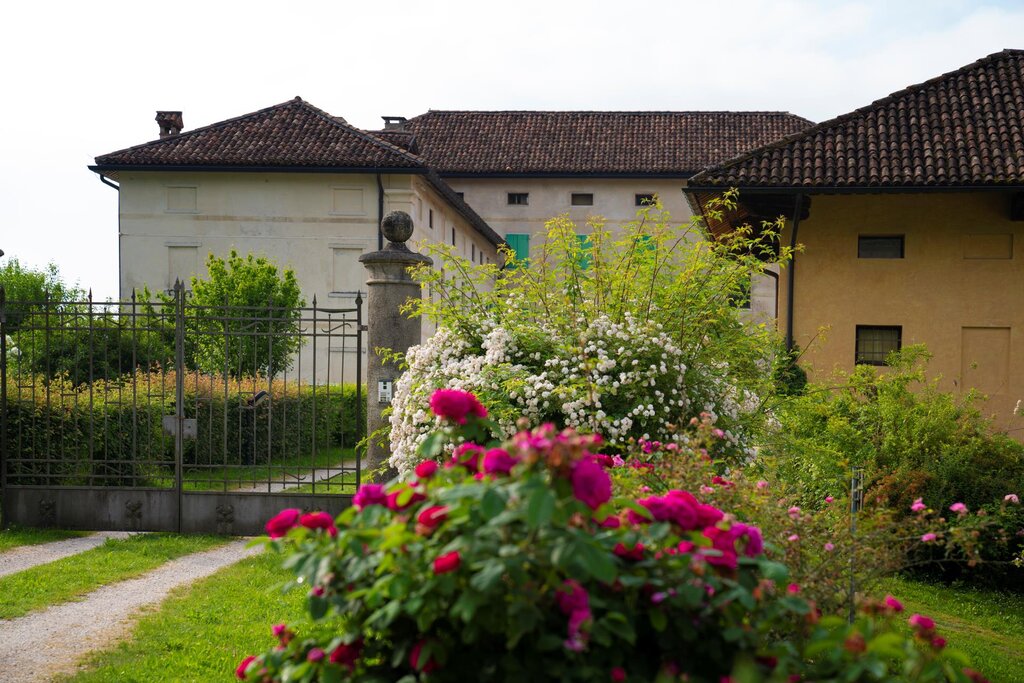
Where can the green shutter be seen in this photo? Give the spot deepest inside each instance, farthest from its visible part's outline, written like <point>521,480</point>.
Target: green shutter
<point>584,256</point>
<point>520,244</point>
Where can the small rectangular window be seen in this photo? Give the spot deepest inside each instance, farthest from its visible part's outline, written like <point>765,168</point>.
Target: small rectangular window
<point>453,236</point>
<point>461,195</point>
<point>644,199</point>
<point>472,252</point>
<point>876,342</point>
<point>880,246</point>
<point>582,199</point>
<point>430,218</point>
<point>519,198</point>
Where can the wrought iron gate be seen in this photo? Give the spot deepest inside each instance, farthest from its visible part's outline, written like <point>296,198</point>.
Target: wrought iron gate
<point>171,415</point>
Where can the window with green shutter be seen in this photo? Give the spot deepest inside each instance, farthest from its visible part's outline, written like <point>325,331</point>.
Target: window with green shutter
<point>520,244</point>
<point>584,256</point>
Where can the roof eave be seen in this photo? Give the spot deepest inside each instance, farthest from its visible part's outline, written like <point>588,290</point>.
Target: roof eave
<point>853,189</point>
<point>626,175</point>
<point>106,169</point>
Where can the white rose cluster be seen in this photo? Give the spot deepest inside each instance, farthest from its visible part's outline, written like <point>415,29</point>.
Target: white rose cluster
<point>622,379</point>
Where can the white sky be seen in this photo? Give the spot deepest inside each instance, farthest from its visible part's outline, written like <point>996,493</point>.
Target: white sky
<point>80,79</point>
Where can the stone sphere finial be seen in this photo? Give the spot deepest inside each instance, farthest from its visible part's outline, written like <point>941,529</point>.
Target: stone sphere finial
<point>397,226</point>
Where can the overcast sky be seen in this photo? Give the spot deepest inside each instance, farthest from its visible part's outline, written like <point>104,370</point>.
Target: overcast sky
<point>80,79</point>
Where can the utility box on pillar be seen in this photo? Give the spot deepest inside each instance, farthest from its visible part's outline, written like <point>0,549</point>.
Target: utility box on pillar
<point>389,287</point>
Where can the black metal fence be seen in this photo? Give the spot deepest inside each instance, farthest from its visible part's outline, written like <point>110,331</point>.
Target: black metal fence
<point>167,414</point>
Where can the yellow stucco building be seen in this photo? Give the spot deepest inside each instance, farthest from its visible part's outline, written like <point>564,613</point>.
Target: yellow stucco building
<point>910,213</point>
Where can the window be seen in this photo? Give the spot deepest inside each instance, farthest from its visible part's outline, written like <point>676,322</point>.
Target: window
<point>583,258</point>
<point>582,199</point>
<point>430,218</point>
<point>519,198</point>
<point>876,342</point>
<point>472,248</point>
<point>461,195</point>
<point>644,199</point>
<point>520,244</point>
<point>453,235</point>
<point>880,246</point>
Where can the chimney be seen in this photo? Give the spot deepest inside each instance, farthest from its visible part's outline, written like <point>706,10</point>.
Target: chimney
<point>169,122</point>
<point>394,122</point>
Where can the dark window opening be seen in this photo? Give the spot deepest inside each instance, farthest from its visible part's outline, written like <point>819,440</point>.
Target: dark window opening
<point>880,246</point>
<point>876,342</point>
<point>582,199</point>
<point>644,199</point>
<point>453,237</point>
<point>472,252</point>
<point>519,198</point>
<point>461,195</point>
<point>430,218</point>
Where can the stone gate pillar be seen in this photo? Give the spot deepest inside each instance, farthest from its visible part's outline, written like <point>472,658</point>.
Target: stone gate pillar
<point>390,286</point>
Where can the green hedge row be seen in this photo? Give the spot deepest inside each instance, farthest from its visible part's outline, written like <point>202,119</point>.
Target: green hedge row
<point>115,443</point>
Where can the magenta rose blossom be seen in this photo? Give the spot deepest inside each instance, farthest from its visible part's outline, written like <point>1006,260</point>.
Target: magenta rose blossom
<point>921,622</point>
<point>240,671</point>
<point>498,461</point>
<point>282,522</point>
<point>958,508</point>
<point>448,562</point>
<point>893,604</point>
<point>319,520</point>
<point>347,655</point>
<point>316,655</point>
<point>433,517</point>
<point>466,455</point>
<point>369,494</point>
<point>407,494</point>
<point>455,405</point>
<point>426,469</point>
<point>590,483</point>
<point>416,659</point>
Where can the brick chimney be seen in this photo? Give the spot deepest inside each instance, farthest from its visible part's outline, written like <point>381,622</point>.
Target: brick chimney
<point>394,122</point>
<point>169,122</point>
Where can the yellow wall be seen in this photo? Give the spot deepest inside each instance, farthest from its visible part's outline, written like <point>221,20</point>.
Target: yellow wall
<point>951,291</point>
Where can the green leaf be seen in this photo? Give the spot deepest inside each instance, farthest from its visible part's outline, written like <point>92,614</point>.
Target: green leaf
<point>617,623</point>
<point>492,504</point>
<point>488,577</point>
<point>595,561</point>
<point>433,445</point>
<point>658,620</point>
<point>540,507</point>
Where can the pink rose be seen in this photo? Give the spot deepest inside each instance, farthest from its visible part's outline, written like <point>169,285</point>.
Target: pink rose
<point>928,537</point>
<point>498,461</point>
<point>433,516</point>
<point>369,494</point>
<point>893,604</point>
<point>921,622</point>
<point>618,674</point>
<point>282,522</point>
<point>347,655</point>
<point>405,493</point>
<point>793,538</point>
<point>416,659</point>
<point>572,597</point>
<point>794,512</point>
<point>240,671</point>
<point>829,499</point>
<point>1012,498</point>
<point>918,505</point>
<point>319,520</point>
<point>279,629</point>
<point>315,655</point>
<point>938,642</point>
<point>762,485</point>
<point>636,553</point>
<point>958,508</point>
<point>448,562</point>
<point>793,589</point>
<point>426,469</point>
<point>829,547</point>
<point>456,405</point>
<point>755,542</point>
<point>466,455</point>
<point>590,483</point>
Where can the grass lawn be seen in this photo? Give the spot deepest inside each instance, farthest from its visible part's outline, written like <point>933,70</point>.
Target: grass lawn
<point>339,483</point>
<point>74,576</point>
<point>201,632</point>
<point>213,477</point>
<point>15,536</point>
<point>986,625</point>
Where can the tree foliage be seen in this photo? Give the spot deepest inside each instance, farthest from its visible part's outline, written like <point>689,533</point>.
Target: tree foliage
<point>246,317</point>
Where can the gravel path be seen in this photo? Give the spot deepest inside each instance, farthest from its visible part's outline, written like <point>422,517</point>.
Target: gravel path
<point>43,644</point>
<point>27,556</point>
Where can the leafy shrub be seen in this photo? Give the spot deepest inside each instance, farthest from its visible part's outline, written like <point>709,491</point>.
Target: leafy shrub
<point>623,334</point>
<point>57,431</point>
<point>912,440</point>
<point>518,563</point>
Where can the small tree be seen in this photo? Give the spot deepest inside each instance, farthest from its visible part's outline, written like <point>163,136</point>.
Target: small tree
<point>26,288</point>
<point>247,315</point>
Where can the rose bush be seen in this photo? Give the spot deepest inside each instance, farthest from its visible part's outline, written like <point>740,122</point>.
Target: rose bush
<point>534,569</point>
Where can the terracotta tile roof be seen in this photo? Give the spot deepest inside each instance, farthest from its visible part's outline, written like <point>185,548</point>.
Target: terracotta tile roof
<point>294,134</point>
<point>964,128</point>
<point>588,142</point>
